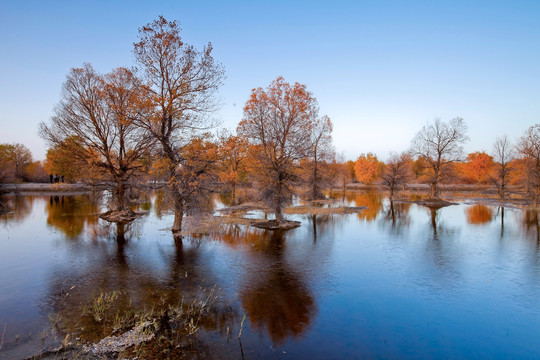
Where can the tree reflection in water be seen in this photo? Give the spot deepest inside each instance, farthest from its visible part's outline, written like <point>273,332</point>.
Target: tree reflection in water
<point>72,214</point>
<point>500,211</point>
<point>531,225</point>
<point>321,225</point>
<point>279,280</point>
<point>140,290</point>
<point>479,214</point>
<point>19,207</point>
<point>372,200</point>
<point>396,217</point>
<point>277,301</point>
<point>275,296</point>
<point>441,248</point>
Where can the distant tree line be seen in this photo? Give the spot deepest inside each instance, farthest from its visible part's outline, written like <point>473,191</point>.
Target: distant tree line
<point>17,165</point>
<point>436,157</point>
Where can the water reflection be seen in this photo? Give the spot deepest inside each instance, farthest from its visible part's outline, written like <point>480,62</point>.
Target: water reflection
<point>500,214</point>
<point>140,285</point>
<point>275,295</point>
<point>531,225</point>
<point>321,225</point>
<point>441,250</point>
<point>396,217</point>
<point>72,214</point>
<point>19,206</point>
<point>479,214</point>
<point>336,284</point>
<point>373,200</point>
<point>276,301</point>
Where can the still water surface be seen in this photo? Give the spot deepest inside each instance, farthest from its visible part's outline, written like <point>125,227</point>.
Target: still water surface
<point>395,281</point>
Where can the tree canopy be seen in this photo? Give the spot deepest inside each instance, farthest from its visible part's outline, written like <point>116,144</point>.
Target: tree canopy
<point>440,144</point>
<point>279,121</point>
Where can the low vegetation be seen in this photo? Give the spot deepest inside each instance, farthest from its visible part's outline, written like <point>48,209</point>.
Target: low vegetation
<point>111,325</point>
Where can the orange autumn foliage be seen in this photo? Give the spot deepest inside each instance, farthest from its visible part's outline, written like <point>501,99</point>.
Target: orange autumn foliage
<point>278,121</point>
<point>232,161</point>
<point>368,168</point>
<point>477,168</point>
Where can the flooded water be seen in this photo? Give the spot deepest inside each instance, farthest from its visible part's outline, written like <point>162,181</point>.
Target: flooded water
<point>395,281</point>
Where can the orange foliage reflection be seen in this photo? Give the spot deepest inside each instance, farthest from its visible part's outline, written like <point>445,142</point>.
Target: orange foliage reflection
<point>19,206</point>
<point>279,303</point>
<point>276,300</point>
<point>478,214</point>
<point>71,214</point>
<point>372,200</point>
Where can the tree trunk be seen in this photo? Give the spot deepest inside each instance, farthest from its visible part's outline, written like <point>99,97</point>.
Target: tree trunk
<point>434,221</point>
<point>314,190</point>
<point>502,222</point>
<point>314,219</point>
<point>234,194</point>
<point>392,212</point>
<point>120,193</point>
<point>279,216</point>
<point>434,190</point>
<point>178,213</point>
<point>277,201</point>
<point>120,232</point>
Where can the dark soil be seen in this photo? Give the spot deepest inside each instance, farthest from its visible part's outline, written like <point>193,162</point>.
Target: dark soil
<point>276,225</point>
<point>121,216</point>
<point>435,203</point>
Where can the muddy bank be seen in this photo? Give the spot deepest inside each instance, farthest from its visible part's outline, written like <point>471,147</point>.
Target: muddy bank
<point>435,203</point>
<point>276,225</point>
<point>121,216</point>
<point>315,210</point>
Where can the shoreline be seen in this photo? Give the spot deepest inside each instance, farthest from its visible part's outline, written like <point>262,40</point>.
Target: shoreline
<point>43,187</point>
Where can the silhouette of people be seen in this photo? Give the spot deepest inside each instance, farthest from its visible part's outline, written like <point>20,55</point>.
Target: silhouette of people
<point>51,178</point>
<point>62,177</point>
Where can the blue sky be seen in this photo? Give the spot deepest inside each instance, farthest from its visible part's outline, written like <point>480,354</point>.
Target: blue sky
<point>380,69</point>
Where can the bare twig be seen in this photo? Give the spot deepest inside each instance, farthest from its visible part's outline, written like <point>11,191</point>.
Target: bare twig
<point>2,339</point>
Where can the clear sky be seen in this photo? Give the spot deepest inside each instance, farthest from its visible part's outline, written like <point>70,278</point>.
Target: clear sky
<point>380,69</point>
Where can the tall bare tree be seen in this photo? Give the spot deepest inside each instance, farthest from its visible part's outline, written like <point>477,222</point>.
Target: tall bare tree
<point>397,172</point>
<point>278,122</point>
<point>94,123</point>
<point>180,84</point>
<point>439,144</point>
<point>503,154</point>
<point>340,171</point>
<point>529,148</point>
<point>320,156</point>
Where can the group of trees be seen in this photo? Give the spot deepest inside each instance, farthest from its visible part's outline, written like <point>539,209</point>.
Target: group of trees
<point>128,125</point>
<point>155,122</point>
<point>283,126</point>
<point>436,156</point>
<point>115,127</point>
<point>17,165</point>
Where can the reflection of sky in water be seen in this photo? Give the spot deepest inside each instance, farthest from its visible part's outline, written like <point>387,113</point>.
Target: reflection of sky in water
<point>398,281</point>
